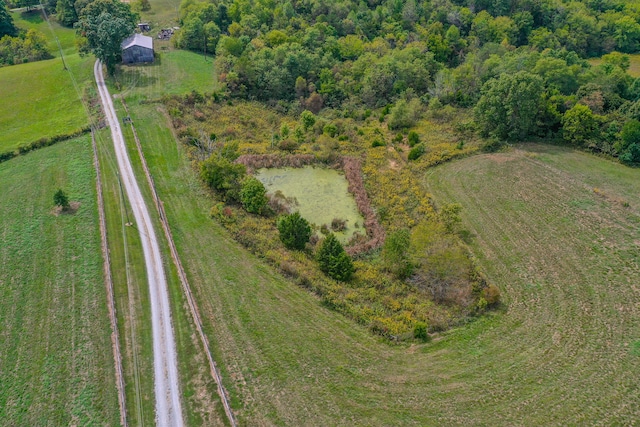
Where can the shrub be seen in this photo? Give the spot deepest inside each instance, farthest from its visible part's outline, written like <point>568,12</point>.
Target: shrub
<point>414,139</point>
<point>295,231</point>
<point>308,119</point>
<point>223,176</point>
<point>378,142</point>
<point>253,195</point>
<point>330,129</point>
<point>416,152</point>
<point>60,199</point>
<point>420,331</point>
<point>338,224</point>
<point>395,253</point>
<point>491,294</point>
<point>333,260</point>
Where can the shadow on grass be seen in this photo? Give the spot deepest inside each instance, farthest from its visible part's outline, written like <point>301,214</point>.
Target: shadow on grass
<point>33,16</point>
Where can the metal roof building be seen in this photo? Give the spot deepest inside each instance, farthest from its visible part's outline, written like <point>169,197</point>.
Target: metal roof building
<point>137,49</point>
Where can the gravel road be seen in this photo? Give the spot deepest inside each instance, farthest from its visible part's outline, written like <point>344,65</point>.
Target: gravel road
<point>168,406</point>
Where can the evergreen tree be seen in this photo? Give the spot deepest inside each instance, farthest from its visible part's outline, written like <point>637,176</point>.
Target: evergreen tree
<point>7,28</point>
<point>295,231</point>
<point>333,260</point>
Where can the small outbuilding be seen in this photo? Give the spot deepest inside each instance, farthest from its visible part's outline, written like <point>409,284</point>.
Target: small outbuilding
<point>137,49</point>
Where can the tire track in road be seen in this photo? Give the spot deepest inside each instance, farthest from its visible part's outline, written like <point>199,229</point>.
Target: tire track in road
<point>168,405</point>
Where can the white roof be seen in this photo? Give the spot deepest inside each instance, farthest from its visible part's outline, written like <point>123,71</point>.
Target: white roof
<point>137,40</point>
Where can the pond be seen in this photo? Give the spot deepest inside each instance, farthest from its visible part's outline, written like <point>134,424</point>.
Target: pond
<point>319,194</point>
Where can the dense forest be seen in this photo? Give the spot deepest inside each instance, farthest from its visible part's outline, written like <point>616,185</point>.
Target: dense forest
<point>521,63</point>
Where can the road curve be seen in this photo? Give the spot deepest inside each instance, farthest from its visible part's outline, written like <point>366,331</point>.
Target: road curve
<point>168,406</point>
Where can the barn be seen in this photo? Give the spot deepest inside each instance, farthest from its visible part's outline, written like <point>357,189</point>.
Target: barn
<point>137,49</point>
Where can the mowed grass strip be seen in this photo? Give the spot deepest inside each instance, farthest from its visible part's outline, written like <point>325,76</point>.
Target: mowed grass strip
<point>131,291</point>
<point>288,360</point>
<point>201,404</point>
<point>56,361</point>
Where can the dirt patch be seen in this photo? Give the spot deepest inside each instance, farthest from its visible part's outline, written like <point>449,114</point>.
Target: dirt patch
<point>71,210</point>
<point>393,165</point>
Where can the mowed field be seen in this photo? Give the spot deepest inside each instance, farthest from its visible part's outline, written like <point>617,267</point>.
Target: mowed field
<point>559,232</point>
<point>56,361</point>
<point>39,99</point>
<point>564,351</point>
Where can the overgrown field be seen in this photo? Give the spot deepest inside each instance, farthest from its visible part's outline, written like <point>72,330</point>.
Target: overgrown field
<point>39,99</point>
<point>288,360</point>
<point>56,361</point>
<point>445,287</point>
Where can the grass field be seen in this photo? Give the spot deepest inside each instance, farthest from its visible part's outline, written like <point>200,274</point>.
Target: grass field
<point>634,68</point>
<point>56,362</point>
<point>39,98</point>
<point>565,350</point>
<point>173,72</point>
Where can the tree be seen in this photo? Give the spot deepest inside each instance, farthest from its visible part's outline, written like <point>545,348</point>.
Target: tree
<point>66,12</point>
<point>628,146</point>
<point>7,28</point>
<point>295,231</point>
<point>579,125</point>
<point>105,24</point>
<point>308,119</point>
<point>222,175</point>
<point>333,260</point>
<point>395,253</point>
<point>509,106</point>
<point>60,199</point>
<point>253,195</point>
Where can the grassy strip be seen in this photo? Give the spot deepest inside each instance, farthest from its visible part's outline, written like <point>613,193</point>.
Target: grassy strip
<point>41,143</point>
<point>201,403</point>
<point>130,291</point>
<point>56,362</point>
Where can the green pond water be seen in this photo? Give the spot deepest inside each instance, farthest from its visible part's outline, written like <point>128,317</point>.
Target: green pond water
<point>319,194</point>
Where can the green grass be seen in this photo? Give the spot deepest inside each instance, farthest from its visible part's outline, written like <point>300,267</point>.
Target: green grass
<point>56,361</point>
<point>288,360</point>
<point>39,98</point>
<point>553,229</point>
<point>163,14</point>
<point>321,195</point>
<point>173,72</point>
<point>34,19</point>
<point>130,291</point>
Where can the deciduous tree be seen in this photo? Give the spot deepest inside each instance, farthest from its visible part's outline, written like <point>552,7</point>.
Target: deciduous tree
<point>509,106</point>
<point>105,24</point>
